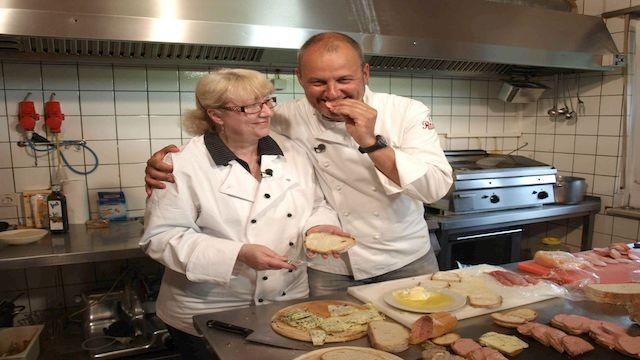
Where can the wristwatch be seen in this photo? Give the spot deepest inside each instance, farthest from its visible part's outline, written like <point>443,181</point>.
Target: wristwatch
<point>381,143</point>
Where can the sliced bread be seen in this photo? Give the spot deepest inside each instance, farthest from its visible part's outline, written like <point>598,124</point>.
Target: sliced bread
<point>446,339</point>
<point>325,243</point>
<point>503,318</point>
<point>506,344</point>
<point>485,300</point>
<point>613,293</point>
<point>526,314</point>
<point>446,276</point>
<point>388,336</point>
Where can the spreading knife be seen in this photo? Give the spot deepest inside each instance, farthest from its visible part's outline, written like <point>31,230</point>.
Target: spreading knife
<point>250,335</point>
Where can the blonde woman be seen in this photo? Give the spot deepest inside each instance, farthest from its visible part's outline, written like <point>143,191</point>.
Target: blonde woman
<point>230,225</point>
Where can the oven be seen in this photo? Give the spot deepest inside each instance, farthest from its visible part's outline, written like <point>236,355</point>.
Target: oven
<point>493,246</point>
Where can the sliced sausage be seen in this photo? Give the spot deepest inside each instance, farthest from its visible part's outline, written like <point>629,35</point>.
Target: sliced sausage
<point>492,354</point>
<point>629,345</point>
<point>525,329</point>
<point>540,333</point>
<point>554,336</point>
<point>464,346</point>
<point>601,251</point>
<point>476,354</point>
<point>575,346</point>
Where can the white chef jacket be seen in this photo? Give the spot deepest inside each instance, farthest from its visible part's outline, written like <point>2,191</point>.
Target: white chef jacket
<point>385,218</point>
<point>196,227</point>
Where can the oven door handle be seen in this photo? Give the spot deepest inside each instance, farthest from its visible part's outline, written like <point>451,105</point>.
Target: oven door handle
<point>495,233</point>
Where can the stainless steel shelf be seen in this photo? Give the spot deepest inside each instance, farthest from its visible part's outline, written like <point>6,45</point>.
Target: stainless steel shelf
<point>79,245</point>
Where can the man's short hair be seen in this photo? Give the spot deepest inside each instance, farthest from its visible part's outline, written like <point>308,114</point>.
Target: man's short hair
<point>329,41</point>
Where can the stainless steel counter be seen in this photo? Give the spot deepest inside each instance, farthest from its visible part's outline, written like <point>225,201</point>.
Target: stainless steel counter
<point>452,228</point>
<point>232,346</point>
<point>79,245</point>
<point>542,213</point>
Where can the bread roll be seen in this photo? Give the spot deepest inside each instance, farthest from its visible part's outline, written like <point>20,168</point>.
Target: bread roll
<point>325,243</point>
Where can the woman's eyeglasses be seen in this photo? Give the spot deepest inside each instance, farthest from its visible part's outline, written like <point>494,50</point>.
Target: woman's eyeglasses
<point>253,108</point>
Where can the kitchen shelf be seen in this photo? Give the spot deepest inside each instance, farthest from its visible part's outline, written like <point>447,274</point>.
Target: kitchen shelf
<point>633,11</point>
<point>79,245</point>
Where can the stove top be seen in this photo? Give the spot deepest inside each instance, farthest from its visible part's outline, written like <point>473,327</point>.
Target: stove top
<point>469,164</point>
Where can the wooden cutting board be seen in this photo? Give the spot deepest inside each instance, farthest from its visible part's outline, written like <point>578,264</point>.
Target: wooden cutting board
<point>320,308</point>
<point>349,350</point>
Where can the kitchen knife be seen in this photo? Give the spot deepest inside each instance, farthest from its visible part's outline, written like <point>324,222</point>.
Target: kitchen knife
<point>250,335</point>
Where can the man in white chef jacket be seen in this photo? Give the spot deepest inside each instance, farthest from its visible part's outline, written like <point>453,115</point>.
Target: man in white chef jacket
<point>377,157</point>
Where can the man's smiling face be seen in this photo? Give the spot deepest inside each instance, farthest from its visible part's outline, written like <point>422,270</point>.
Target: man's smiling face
<point>331,72</point>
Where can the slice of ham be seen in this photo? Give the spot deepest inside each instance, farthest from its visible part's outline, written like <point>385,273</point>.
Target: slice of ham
<point>593,259</point>
<point>530,279</point>
<point>476,354</point>
<point>603,338</point>
<point>540,334</point>
<point>554,336</point>
<point>601,251</point>
<point>492,354</point>
<point>628,345</point>
<point>572,324</point>
<point>575,346</point>
<point>633,256</point>
<point>464,347</point>
<point>526,328</point>
<point>509,278</point>
<point>431,326</point>
<point>622,248</point>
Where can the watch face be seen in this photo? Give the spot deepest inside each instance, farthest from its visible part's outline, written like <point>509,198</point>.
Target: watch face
<point>381,140</point>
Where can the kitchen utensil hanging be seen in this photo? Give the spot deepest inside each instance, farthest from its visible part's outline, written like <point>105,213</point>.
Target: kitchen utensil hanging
<point>581,107</point>
<point>554,110</point>
<point>571,114</point>
<point>565,109</point>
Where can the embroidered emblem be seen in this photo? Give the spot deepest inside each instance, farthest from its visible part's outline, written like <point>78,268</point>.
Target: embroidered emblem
<point>427,124</point>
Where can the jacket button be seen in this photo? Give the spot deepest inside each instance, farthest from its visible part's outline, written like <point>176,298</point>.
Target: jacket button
<point>338,187</point>
<point>253,221</point>
<point>265,277</point>
<point>289,214</point>
<point>267,196</point>
<point>375,213</point>
<point>284,293</point>
<point>260,300</point>
<point>290,243</point>
<point>346,213</point>
<point>326,164</point>
<point>290,270</point>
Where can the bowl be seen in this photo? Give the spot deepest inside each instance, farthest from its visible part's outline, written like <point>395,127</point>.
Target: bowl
<point>22,236</point>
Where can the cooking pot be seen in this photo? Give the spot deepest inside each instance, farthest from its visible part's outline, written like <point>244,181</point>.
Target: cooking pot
<point>569,189</point>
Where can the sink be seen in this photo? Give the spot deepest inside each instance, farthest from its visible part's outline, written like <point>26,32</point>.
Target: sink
<point>150,333</point>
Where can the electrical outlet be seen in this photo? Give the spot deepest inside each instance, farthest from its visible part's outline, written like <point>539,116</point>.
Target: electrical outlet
<point>9,199</point>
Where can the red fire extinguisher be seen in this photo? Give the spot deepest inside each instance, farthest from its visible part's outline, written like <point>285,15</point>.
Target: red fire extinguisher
<point>27,114</point>
<point>53,115</point>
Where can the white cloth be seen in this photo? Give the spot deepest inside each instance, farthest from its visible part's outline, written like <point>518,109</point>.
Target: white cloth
<point>197,226</point>
<point>386,219</point>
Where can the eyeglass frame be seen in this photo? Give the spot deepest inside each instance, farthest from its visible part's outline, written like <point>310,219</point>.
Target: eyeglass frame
<point>243,109</point>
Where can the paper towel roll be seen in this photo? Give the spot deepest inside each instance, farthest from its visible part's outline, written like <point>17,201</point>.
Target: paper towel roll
<point>77,200</point>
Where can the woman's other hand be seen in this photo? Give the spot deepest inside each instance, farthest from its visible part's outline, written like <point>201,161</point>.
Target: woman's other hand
<point>157,170</point>
<point>260,257</point>
<point>330,229</point>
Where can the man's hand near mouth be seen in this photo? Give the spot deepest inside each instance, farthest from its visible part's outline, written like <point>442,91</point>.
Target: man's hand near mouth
<point>359,118</point>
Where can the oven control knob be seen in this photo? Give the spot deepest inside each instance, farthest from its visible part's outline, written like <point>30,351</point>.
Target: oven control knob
<point>494,199</point>
<point>543,195</point>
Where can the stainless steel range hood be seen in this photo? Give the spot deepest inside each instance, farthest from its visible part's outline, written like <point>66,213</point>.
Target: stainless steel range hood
<point>471,36</point>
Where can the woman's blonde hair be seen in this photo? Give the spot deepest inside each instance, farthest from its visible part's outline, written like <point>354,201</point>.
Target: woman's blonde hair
<point>221,86</point>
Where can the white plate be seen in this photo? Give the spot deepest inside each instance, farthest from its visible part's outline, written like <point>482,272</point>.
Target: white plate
<point>458,302</point>
<point>317,354</point>
<point>22,236</point>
